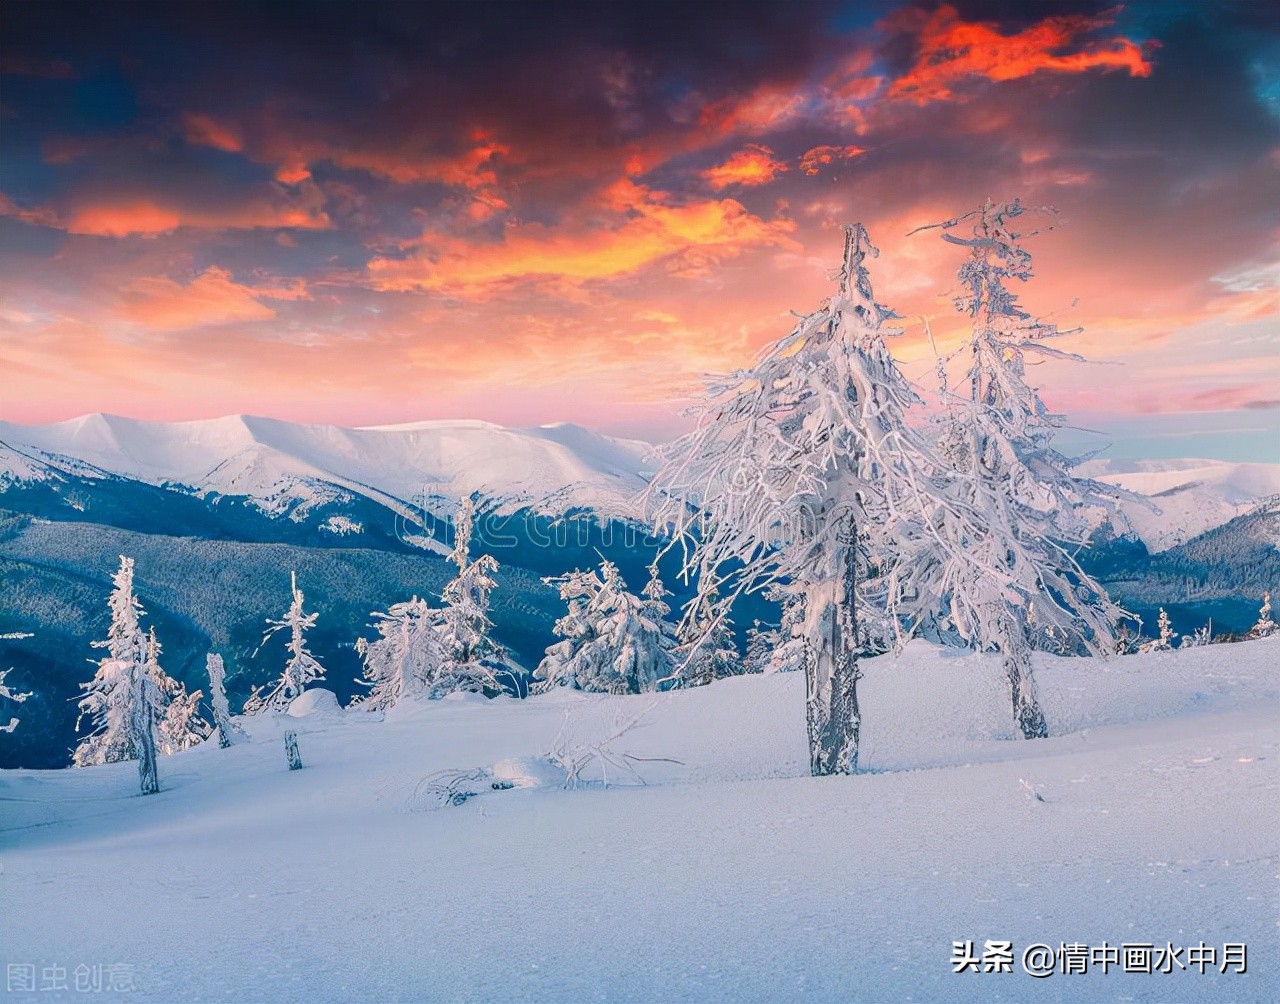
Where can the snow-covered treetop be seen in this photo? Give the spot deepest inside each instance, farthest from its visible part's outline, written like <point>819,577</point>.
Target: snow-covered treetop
<point>1015,427</point>
<point>125,641</point>
<point>786,454</point>
<point>1014,503</point>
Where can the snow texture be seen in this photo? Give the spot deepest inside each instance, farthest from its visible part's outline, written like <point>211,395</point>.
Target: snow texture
<point>729,876</point>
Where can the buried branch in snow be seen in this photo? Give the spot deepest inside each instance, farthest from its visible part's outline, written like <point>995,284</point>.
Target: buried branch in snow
<point>572,762</point>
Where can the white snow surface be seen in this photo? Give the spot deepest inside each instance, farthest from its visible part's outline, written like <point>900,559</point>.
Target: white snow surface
<point>730,876</point>
<point>1193,495</point>
<point>552,467</point>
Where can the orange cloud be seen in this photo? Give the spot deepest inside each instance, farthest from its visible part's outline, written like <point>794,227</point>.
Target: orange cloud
<point>652,231</point>
<point>753,165</point>
<point>150,219</point>
<point>158,303</point>
<point>293,155</point>
<point>473,168</point>
<point>952,51</point>
<point>202,130</point>
<point>292,174</point>
<point>765,108</point>
<point>812,161</point>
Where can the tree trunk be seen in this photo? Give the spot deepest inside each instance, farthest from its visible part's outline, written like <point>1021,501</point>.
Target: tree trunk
<point>832,673</point>
<point>142,727</point>
<point>291,750</point>
<point>1026,706</point>
<point>148,777</point>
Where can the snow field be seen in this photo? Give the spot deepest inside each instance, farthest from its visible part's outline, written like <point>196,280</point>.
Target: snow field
<point>731,876</point>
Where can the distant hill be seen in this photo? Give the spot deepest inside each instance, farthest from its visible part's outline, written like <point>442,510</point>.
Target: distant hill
<point>1192,496</point>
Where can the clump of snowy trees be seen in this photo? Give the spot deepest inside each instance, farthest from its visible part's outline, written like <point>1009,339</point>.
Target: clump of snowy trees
<point>134,708</point>
<point>612,640</point>
<point>430,652</point>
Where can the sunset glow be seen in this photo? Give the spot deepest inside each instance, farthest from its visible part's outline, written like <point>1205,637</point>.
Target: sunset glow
<point>534,213</point>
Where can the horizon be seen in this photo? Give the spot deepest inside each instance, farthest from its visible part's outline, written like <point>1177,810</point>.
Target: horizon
<point>1218,437</point>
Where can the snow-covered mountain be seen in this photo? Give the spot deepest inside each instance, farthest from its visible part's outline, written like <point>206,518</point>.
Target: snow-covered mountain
<point>1193,496</point>
<point>294,470</point>
<point>284,467</point>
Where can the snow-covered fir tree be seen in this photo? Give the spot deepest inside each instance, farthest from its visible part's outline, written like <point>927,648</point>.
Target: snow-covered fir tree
<point>301,667</point>
<point>406,659</point>
<point>657,611</point>
<point>613,641</point>
<point>761,642</point>
<point>472,656</point>
<point>803,475</point>
<point>1008,579</point>
<point>578,590</point>
<point>1265,626</point>
<point>180,726</point>
<point>1164,641</point>
<point>229,733</point>
<point>122,701</point>
<point>790,651</point>
<point>707,650</point>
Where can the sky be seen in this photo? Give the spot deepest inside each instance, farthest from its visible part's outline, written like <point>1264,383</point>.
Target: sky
<point>529,213</point>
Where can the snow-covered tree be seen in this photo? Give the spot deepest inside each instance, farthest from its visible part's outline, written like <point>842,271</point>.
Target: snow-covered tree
<point>122,700</point>
<point>762,640</point>
<point>229,732</point>
<point>301,668</point>
<point>180,726</point>
<point>789,652</point>
<point>408,656</point>
<point>1010,580</point>
<point>657,611</point>
<point>9,694</point>
<point>472,656</point>
<point>707,650</point>
<point>1164,642</point>
<point>613,640</point>
<point>576,629</point>
<point>1265,627</point>
<point>1200,637</point>
<point>802,474</point>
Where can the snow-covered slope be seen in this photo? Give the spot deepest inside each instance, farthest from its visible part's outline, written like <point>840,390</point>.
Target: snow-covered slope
<point>1148,818</point>
<point>288,468</point>
<point>282,464</point>
<point>1192,495</point>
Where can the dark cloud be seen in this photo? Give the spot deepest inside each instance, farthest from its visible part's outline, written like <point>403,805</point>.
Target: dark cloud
<point>1201,107</point>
